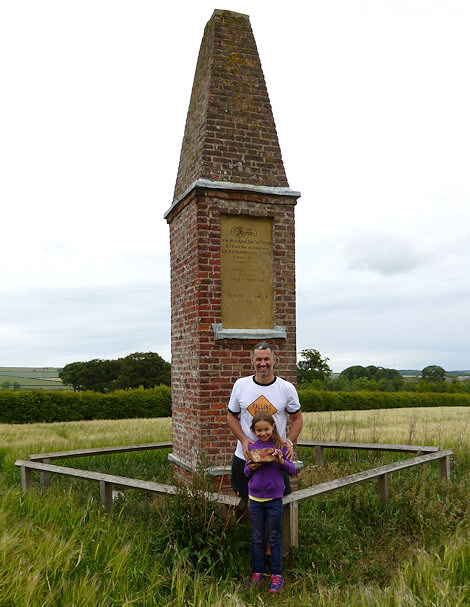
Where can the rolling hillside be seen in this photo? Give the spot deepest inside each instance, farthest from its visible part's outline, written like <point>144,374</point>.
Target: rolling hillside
<point>30,378</point>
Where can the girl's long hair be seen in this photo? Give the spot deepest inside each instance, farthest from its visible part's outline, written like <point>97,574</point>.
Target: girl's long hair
<point>264,416</point>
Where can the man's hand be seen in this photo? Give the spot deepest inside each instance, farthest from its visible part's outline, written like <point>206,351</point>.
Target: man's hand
<point>289,449</point>
<point>245,443</point>
<point>234,425</point>
<point>295,428</point>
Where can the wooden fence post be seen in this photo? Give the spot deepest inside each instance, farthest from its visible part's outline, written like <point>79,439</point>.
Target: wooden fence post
<point>106,495</point>
<point>444,467</point>
<point>382,482</point>
<point>318,455</point>
<point>290,525</point>
<point>45,477</point>
<point>26,479</point>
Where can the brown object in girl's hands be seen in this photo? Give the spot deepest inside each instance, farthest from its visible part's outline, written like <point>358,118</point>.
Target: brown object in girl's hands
<point>262,456</point>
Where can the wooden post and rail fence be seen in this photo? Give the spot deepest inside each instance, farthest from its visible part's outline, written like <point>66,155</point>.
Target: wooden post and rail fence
<point>424,455</point>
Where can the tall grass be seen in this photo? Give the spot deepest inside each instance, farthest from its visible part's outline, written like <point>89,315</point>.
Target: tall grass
<point>444,427</point>
<point>57,548</point>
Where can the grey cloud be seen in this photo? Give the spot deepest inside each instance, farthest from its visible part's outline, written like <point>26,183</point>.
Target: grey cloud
<point>54,248</point>
<point>401,325</point>
<point>63,325</point>
<point>386,255</point>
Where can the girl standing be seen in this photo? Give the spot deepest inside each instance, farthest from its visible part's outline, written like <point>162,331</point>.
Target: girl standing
<point>265,490</point>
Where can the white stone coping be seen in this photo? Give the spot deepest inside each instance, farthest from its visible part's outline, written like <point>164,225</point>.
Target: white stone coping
<point>230,185</point>
<point>259,334</point>
<point>216,470</point>
<point>213,471</point>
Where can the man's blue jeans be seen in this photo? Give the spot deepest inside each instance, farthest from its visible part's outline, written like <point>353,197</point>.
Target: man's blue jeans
<point>266,514</point>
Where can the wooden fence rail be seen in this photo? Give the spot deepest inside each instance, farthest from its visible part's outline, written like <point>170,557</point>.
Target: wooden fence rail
<point>99,451</point>
<point>45,458</point>
<point>290,521</point>
<point>41,463</point>
<point>108,481</point>
<point>319,447</point>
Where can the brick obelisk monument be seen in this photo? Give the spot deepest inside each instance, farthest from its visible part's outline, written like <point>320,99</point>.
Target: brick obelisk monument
<point>231,241</point>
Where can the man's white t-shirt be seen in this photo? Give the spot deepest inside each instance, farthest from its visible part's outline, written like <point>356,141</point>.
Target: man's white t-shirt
<point>249,397</point>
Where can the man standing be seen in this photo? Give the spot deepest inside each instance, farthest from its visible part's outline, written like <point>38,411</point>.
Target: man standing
<point>262,391</point>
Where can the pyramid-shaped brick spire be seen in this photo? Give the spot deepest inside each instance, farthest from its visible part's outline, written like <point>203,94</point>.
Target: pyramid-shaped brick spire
<point>230,135</point>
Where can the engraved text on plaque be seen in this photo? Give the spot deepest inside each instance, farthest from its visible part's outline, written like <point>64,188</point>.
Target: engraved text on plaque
<point>246,262</point>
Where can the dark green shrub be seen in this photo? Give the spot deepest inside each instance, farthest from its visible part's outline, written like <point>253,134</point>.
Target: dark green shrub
<point>22,407</point>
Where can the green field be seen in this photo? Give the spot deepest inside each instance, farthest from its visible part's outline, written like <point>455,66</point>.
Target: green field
<point>31,378</point>
<point>58,549</point>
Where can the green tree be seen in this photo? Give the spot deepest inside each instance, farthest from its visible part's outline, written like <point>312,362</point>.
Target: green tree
<point>98,375</point>
<point>16,385</point>
<point>314,366</point>
<point>71,375</point>
<point>356,372</point>
<point>5,385</point>
<point>433,373</point>
<point>146,369</point>
<point>392,377</point>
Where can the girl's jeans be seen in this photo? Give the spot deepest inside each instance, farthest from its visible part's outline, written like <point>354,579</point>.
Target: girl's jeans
<point>268,514</point>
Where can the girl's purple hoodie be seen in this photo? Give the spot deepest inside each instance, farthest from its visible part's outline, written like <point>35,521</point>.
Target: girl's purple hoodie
<point>267,481</point>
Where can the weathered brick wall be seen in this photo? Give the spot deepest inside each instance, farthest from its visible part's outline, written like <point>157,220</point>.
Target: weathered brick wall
<point>203,369</point>
<point>230,133</point>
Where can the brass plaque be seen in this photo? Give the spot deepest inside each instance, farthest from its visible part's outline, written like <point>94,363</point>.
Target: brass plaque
<point>246,263</point>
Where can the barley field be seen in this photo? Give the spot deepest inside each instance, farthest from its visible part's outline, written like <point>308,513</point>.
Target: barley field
<point>57,547</point>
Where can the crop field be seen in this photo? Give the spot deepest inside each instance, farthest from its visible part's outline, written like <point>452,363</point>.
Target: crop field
<point>57,547</point>
<point>30,378</point>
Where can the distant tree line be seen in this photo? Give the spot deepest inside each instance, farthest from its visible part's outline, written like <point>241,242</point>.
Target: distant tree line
<point>140,369</point>
<point>314,372</point>
<point>148,369</point>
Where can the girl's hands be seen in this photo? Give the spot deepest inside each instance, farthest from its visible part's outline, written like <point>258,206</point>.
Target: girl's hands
<point>277,454</point>
<point>280,457</point>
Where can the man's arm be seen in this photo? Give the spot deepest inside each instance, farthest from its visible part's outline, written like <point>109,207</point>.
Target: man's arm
<point>296,426</point>
<point>234,425</point>
<point>294,431</point>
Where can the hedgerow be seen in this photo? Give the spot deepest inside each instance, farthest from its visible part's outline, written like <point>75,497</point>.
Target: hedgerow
<point>23,407</point>
<point>322,400</point>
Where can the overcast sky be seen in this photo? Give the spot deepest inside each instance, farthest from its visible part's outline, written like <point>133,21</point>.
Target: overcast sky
<point>371,101</point>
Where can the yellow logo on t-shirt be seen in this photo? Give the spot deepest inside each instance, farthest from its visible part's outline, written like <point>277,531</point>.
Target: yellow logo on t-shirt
<point>261,404</point>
